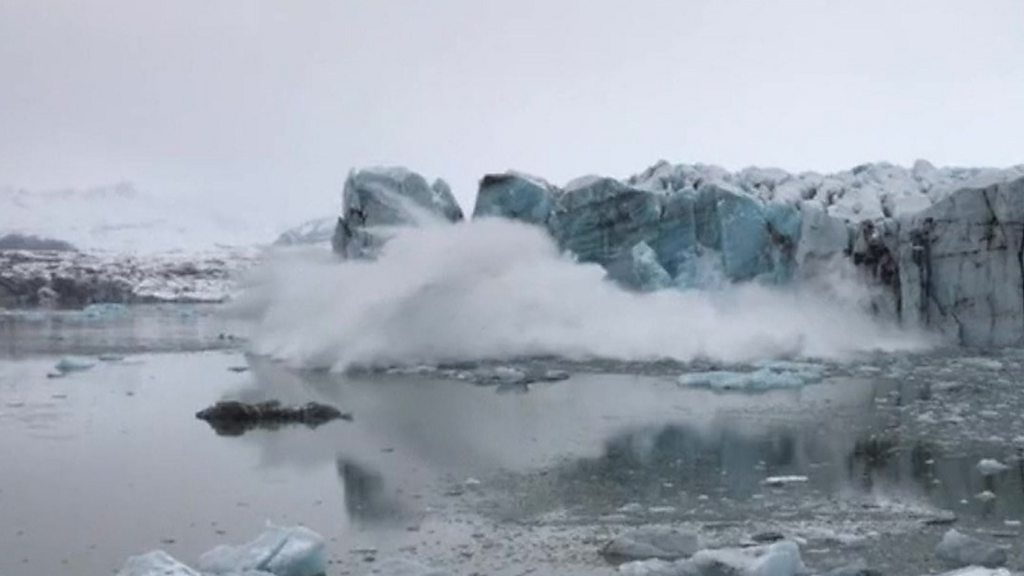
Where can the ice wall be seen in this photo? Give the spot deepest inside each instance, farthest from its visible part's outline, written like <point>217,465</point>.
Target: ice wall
<point>944,245</point>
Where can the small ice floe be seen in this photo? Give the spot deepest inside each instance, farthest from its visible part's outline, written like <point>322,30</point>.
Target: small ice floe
<point>783,480</point>
<point>985,496</point>
<point>960,550</point>
<point>778,559</point>
<point>981,362</point>
<point>406,567</point>
<point>991,467</point>
<point>978,571</point>
<point>155,563</point>
<point>279,551</point>
<point>652,542</point>
<point>70,364</point>
<point>631,508</point>
<point>766,376</point>
<point>103,311</point>
<point>282,551</point>
<point>856,568</point>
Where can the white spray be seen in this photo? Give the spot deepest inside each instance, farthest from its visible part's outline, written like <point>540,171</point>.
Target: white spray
<point>491,289</point>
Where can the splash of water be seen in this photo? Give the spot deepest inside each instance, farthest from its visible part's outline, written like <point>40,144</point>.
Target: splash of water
<point>493,289</point>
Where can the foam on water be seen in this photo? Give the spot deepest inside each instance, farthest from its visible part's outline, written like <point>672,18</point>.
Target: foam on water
<point>497,289</point>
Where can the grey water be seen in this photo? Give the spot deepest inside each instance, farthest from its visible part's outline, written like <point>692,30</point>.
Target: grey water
<point>107,462</point>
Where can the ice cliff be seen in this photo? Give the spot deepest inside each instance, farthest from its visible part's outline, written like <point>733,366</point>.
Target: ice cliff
<point>945,246</point>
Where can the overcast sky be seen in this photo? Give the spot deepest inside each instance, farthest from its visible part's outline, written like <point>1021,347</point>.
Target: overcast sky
<point>274,101</point>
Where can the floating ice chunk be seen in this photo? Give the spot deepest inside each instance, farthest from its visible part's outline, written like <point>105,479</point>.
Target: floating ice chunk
<point>978,571</point>
<point>961,550</point>
<point>778,559</point>
<point>282,551</point>
<point>991,467</point>
<point>104,311</point>
<point>985,496</point>
<point>781,559</point>
<point>981,362</point>
<point>404,567</point>
<point>775,374</point>
<point>784,480</point>
<point>856,568</point>
<point>155,563</point>
<point>73,364</point>
<point>653,542</point>
<point>657,567</point>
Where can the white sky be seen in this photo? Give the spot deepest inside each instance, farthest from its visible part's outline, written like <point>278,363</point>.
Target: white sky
<point>272,102</point>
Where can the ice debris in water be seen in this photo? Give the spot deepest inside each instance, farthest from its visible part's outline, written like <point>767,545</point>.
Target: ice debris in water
<point>978,571</point>
<point>783,480</point>
<point>959,550</point>
<point>653,542</point>
<point>991,467</point>
<point>282,551</point>
<point>856,568</point>
<point>279,551</point>
<point>155,563</point>
<point>405,567</point>
<point>73,364</point>
<point>104,311</point>
<point>768,375</point>
<point>778,559</point>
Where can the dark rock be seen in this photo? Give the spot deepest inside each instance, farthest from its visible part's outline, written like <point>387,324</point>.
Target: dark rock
<point>232,418</point>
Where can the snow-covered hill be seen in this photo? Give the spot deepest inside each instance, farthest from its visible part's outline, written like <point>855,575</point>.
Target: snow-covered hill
<point>122,219</point>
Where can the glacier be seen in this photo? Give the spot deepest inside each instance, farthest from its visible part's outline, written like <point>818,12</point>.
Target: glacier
<point>943,248</point>
<point>377,200</point>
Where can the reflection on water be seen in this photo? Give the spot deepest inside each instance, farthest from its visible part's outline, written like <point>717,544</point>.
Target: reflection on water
<point>105,328</point>
<point>366,497</point>
<point>590,445</point>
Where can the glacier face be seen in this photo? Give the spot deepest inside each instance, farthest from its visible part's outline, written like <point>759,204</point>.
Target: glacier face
<point>377,200</point>
<point>945,245</point>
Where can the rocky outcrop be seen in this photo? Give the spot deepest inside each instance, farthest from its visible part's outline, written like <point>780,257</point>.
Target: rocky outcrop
<point>75,279</point>
<point>231,418</point>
